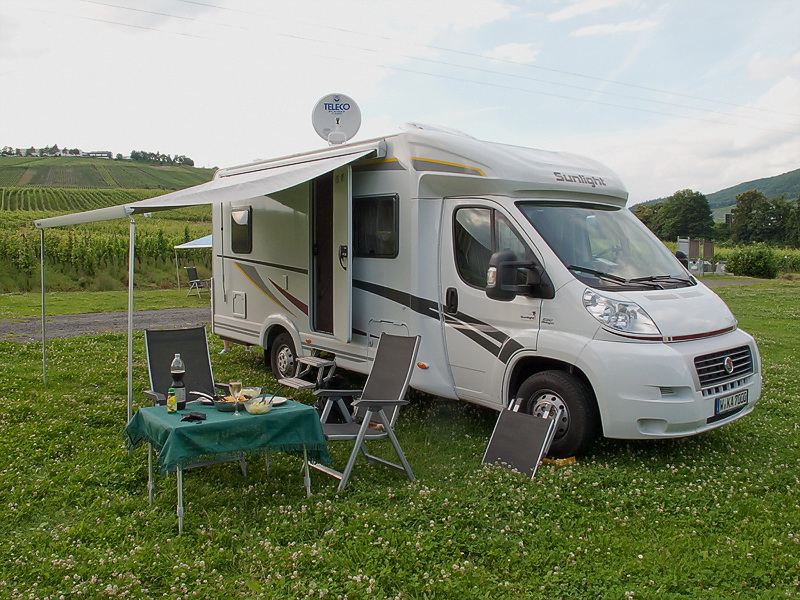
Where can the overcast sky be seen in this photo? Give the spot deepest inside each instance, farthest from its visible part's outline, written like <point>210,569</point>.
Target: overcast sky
<point>670,94</point>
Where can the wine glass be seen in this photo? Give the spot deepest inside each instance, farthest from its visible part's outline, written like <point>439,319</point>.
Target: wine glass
<point>236,389</point>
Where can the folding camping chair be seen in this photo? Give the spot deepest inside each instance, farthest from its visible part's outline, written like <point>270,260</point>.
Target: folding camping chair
<point>191,343</point>
<point>379,403</point>
<point>195,283</point>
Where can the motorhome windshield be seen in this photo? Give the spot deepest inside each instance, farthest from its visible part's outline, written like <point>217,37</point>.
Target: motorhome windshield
<point>605,247</point>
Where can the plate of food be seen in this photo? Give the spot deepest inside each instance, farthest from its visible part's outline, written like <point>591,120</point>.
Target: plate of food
<point>226,404</point>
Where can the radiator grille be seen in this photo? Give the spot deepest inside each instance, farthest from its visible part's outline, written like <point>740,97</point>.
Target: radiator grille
<point>711,368</point>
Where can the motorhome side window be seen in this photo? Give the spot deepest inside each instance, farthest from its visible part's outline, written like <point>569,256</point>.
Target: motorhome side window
<point>479,233</point>
<point>242,230</point>
<point>375,232</point>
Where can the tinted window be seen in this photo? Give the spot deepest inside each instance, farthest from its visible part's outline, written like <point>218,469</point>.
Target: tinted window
<point>473,244</point>
<point>375,230</point>
<point>242,230</point>
<point>479,233</point>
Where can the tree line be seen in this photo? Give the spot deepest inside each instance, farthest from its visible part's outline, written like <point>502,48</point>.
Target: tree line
<point>162,159</point>
<point>136,155</point>
<point>754,219</point>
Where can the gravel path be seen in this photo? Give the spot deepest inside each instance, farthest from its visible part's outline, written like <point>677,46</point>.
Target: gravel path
<point>56,326</point>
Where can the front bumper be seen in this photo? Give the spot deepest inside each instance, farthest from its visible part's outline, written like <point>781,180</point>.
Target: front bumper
<point>649,391</point>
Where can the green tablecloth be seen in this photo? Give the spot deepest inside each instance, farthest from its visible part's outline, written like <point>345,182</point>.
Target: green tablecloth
<point>288,427</point>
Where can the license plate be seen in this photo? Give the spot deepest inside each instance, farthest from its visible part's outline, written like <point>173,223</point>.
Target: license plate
<point>727,403</point>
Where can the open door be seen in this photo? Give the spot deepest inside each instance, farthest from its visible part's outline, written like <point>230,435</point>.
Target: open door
<point>332,240</point>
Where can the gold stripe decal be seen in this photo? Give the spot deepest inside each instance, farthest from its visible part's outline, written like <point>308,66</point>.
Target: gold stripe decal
<point>428,164</point>
<point>252,275</point>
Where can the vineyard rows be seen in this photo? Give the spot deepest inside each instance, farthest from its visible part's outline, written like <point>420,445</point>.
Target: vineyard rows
<point>68,199</point>
<point>90,249</point>
<point>96,173</point>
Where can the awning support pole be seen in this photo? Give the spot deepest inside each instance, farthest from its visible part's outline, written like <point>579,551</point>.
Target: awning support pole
<point>44,338</point>
<point>131,262</point>
<point>177,271</point>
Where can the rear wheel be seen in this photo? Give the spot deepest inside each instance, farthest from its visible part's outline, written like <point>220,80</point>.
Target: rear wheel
<point>282,356</point>
<point>557,392</point>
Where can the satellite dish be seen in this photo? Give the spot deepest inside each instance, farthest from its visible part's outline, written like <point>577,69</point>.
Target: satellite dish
<point>336,118</point>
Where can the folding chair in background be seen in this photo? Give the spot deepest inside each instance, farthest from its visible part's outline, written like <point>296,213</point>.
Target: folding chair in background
<point>378,403</point>
<point>191,343</point>
<point>195,283</point>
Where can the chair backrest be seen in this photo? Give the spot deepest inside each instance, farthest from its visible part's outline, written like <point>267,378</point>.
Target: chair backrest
<point>192,344</point>
<point>391,371</point>
<point>191,273</point>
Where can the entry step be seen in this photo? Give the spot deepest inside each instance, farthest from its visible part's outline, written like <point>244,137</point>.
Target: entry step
<point>316,362</point>
<point>297,383</point>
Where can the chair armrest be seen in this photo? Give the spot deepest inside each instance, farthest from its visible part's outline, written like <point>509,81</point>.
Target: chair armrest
<point>155,397</point>
<point>337,393</point>
<point>361,401</point>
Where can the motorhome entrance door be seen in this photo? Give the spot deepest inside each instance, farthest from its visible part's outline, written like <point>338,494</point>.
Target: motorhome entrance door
<point>331,309</point>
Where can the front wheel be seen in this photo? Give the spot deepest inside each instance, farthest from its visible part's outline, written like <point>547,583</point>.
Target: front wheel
<point>282,356</point>
<point>557,392</point>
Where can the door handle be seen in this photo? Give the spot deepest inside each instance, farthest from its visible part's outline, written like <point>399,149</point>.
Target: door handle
<point>451,301</point>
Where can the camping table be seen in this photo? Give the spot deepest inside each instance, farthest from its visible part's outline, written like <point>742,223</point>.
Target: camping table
<point>290,427</point>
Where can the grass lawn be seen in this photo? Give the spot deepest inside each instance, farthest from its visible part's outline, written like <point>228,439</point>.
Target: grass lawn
<point>712,516</point>
<point>29,304</point>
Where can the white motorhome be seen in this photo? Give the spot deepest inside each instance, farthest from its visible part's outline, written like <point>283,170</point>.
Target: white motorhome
<point>529,281</point>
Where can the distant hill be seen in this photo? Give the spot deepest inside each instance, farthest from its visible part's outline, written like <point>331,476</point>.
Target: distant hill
<point>723,201</point>
<point>772,187</point>
<point>96,173</point>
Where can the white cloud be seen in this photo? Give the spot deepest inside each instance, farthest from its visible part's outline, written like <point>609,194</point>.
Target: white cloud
<point>583,7</point>
<point>722,150</point>
<point>514,52</point>
<point>768,67</point>
<point>625,27</point>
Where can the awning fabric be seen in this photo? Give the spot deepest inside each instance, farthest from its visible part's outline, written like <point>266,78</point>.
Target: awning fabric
<point>238,186</point>
<point>203,242</point>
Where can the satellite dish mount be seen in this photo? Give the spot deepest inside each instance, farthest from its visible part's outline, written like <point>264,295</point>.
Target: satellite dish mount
<point>336,118</point>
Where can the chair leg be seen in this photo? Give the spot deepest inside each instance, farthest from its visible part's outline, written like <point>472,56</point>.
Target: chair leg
<point>362,432</point>
<point>397,447</point>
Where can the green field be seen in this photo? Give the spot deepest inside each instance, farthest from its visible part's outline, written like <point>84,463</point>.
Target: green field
<point>78,172</point>
<point>714,516</point>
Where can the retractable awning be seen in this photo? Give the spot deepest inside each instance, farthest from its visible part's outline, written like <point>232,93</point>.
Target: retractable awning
<point>229,185</point>
<point>259,180</point>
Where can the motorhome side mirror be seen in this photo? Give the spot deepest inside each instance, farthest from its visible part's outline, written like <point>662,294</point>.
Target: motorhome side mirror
<point>501,278</point>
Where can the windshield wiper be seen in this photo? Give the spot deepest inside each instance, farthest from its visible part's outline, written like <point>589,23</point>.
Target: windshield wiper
<point>599,274</point>
<point>682,280</point>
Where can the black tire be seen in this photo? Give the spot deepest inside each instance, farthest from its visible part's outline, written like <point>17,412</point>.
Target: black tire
<point>282,356</point>
<point>578,423</point>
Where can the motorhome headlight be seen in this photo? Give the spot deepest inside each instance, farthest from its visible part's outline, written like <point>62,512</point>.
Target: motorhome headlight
<point>619,314</point>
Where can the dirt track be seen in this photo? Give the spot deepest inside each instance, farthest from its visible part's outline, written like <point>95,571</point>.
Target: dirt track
<point>30,329</point>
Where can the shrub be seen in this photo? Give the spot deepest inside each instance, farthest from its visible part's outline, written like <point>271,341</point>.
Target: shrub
<point>754,261</point>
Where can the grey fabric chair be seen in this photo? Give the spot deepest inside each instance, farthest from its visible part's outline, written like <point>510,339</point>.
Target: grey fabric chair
<point>161,346</point>
<point>376,408</point>
<point>191,343</point>
<point>195,283</point>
